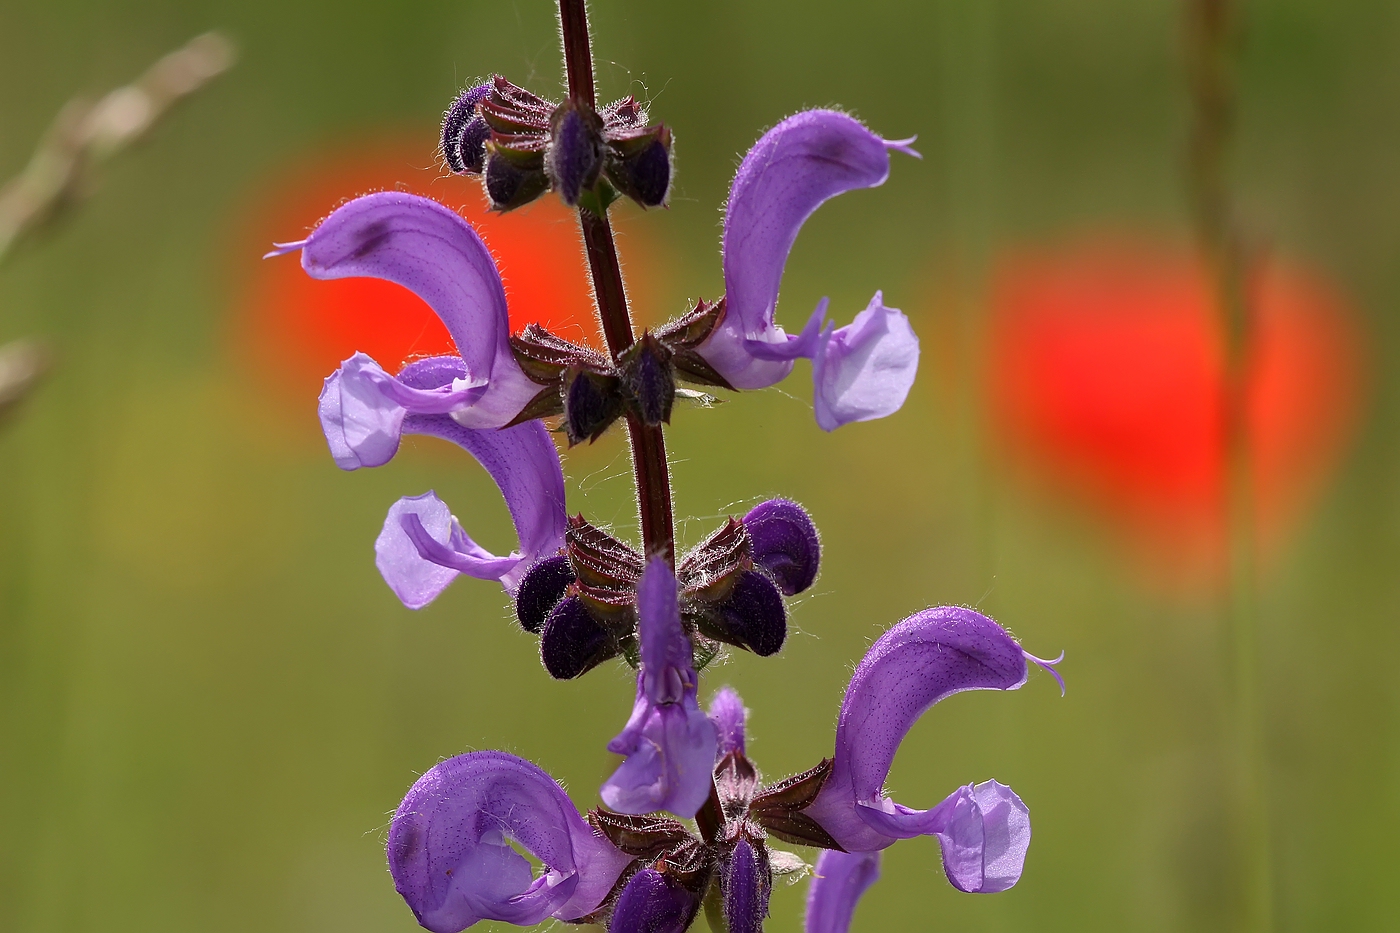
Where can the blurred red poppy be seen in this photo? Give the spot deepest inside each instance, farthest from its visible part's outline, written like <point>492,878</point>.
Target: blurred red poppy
<point>300,329</point>
<point>1107,378</point>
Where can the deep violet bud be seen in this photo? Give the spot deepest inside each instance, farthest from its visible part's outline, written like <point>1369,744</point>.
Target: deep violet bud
<point>464,132</point>
<point>573,642</point>
<point>746,882</point>
<point>728,714</point>
<point>640,166</point>
<point>651,902</point>
<point>575,150</point>
<point>785,543</point>
<point>540,591</point>
<point>648,381</point>
<point>513,178</point>
<point>592,401</point>
<point>753,617</point>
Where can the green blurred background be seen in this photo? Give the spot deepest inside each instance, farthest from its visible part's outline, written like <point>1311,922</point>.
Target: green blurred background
<point>209,701</point>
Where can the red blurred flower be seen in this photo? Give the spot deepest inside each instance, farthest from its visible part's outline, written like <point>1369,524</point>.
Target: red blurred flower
<point>300,329</point>
<point>1107,378</point>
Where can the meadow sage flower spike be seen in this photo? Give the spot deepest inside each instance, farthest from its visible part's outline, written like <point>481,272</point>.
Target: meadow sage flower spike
<point>590,597</point>
<point>449,843</point>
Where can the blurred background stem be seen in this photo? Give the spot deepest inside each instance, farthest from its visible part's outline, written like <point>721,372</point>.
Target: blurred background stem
<point>1214,30</point>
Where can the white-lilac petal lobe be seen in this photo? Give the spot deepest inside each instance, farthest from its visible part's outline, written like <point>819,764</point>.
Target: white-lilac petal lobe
<point>984,837</point>
<point>838,881</point>
<point>864,370</point>
<point>669,743</point>
<point>422,549</point>
<point>790,171</point>
<point>929,656</point>
<point>450,848</point>
<point>362,410</point>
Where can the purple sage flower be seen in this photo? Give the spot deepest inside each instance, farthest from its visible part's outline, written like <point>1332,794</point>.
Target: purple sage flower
<point>450,856</point>
<point>861,371</point>
<point>669,742</point>
<point>839,805</point>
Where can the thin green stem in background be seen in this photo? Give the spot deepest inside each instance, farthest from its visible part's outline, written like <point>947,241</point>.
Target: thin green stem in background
<point>1213,34</point>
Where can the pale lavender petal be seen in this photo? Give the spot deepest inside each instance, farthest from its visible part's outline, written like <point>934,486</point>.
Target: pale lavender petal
<point>727,712</point>
<point>450,855</point>
<point>984,838</point>
<point>416,579</point>
<point>362,409</point>
<point>791,170</point>
<point>864,370</point>
<point>651,902</point>
<point>427,248</point>
<point>838,881</point>
<point>931,655</point>
<point>669,743</point>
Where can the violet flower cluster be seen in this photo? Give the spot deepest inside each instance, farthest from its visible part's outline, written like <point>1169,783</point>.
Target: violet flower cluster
<point>687,818</point>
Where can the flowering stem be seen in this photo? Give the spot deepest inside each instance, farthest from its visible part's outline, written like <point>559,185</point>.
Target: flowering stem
<point>1212,37</point>
<point>648,443</point>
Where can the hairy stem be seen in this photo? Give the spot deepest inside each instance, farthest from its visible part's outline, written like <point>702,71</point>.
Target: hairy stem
<point>1212,36</point>
<point>648,444</point>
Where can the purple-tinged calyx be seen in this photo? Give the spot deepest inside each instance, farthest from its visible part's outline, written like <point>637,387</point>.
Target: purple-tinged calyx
<point>575,156</point>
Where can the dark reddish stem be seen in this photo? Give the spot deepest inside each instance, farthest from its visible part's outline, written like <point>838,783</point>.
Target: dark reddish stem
<point>648,444</point>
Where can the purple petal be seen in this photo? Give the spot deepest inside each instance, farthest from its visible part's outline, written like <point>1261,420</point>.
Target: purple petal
<point>747,883</point>
<point>651,902</point>
<point>525,465</point>
<point>669,743</point>
<point>984,837</point>
<point>930,655</point>
<point>784,542</point>
<point>864,370</point>
<point>450,856</point>
<point>427,248</point>
<point>422,549</point>
<point>727,712</point>
<point>797,165</point>
<point>838,881</point>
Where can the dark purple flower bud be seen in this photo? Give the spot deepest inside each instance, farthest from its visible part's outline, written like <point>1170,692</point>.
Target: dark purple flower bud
<point>784,542</point>
<point>540,591</point>
<point>753,617</point>
<point>592,401</point>
<point>651,902</point>
<point>464,132</point>
<point>575,150</point>
<point>573,642</point>
<point>746,883</point>
<point>648,379</point>
<point>640,165</point>
<point>514,178</point>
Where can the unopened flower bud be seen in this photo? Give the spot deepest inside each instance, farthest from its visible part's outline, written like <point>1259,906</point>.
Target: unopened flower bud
<point>573,642</point>
<point>648,380</point>
<point>514,177</point>
<point>639,165</point>
<point>540,591</point>
<point>592,401</point>
<point>752,617</point>
<point>784,542</point>
<point>575,150</point>
<point>464,132</point>
<point>746,882</point>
